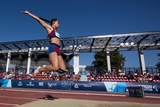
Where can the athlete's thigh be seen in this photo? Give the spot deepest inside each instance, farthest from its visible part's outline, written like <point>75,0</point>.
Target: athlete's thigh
<point>61,63</point>
<point>53,57</point>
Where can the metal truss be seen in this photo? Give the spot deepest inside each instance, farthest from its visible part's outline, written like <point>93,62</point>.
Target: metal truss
<point>112,42</point>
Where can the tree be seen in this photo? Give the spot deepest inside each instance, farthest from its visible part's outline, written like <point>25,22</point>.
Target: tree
<point>117,60</point>
<point>100,63</point>
<point>158,64</point>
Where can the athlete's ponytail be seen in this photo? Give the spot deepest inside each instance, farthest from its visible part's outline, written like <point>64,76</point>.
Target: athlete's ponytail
<point>45,20</point>
<point>51,22</point>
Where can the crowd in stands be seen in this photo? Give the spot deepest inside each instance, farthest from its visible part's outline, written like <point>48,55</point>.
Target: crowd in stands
<point>123,76</point>
<point>47,76</point>
<point>92,76</point>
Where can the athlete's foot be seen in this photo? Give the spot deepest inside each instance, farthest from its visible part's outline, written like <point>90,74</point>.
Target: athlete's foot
<point>66,71</point>
<point>43,73</point>
<point>36,72</point>
<point>61,71</point>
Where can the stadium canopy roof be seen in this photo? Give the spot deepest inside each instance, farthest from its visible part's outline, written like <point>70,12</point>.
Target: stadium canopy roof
<point>98,43</point>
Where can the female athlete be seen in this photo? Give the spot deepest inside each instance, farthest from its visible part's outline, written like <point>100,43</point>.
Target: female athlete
<point>55,57</point>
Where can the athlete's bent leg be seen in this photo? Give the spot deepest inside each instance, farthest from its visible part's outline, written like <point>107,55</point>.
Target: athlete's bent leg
<point>53,57</point>
<point>62,65</point>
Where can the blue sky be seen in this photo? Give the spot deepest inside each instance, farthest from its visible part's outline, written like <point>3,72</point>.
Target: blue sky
<point>82,18</point>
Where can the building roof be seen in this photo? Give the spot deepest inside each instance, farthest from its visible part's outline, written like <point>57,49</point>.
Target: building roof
<point>98,43</point>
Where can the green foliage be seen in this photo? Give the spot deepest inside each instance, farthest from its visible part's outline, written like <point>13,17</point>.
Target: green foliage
<point>117,60</point>
<point>100,63</point>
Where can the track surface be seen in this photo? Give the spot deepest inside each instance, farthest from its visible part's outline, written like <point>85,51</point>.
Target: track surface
<point>11,97</point>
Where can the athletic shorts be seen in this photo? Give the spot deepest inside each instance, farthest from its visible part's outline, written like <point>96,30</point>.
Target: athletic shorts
<point>54,48</point>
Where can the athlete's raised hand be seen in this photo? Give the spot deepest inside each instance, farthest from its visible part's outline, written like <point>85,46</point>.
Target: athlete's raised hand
<point>25,12</point>
<point>40,20</point>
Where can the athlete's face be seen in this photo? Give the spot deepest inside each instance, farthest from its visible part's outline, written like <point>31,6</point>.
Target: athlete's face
<point>56,24</point>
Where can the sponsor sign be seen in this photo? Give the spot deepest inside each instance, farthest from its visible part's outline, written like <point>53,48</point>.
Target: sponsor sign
<point>20,83</point>
<point>52,85</point>
<point>41,84</point>
<point>30,84</point>
<point>86,86</point>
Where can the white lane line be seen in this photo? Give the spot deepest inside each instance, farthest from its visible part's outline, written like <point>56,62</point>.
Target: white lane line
<point>19,98</point>
<point>8,104</point>
<point>152,97</point>
<point>36,91</point>
<point>64,92</point>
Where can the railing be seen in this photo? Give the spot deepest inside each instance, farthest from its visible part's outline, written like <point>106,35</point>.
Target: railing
<point>151,70</point>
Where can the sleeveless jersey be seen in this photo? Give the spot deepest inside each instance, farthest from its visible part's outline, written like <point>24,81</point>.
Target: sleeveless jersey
<point>54,34</point>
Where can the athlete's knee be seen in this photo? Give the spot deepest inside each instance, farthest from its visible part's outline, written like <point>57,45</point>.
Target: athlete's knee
<point>55,67</point>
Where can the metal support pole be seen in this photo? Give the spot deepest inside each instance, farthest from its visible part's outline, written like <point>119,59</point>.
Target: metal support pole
<point>142,61</point>
<point>8,60</point>
<point>108,60</point>
<point>29,61</point>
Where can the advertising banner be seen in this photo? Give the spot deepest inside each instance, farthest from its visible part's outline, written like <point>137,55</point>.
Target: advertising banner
<point>88,86</point>
<point>149,87</point>
<point>42,84</point>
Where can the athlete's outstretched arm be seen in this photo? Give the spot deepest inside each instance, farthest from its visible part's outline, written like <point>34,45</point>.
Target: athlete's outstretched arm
<point>44,24</point>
